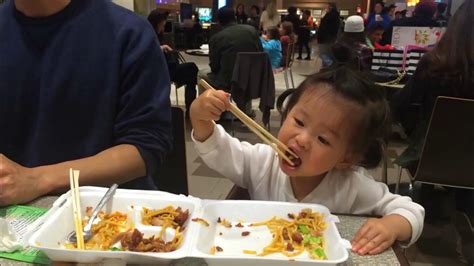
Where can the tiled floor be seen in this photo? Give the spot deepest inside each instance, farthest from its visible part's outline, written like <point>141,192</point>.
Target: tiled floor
<point>437,246</point>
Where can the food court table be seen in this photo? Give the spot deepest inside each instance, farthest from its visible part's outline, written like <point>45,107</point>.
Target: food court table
<point>347,227</point>
<point>197,52</point>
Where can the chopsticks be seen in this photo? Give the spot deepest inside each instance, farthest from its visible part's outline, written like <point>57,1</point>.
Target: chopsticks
<point>263,134</point>
<point>76,207</point>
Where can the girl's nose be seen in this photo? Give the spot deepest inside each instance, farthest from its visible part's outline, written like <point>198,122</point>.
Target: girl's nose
<point>303,140</point>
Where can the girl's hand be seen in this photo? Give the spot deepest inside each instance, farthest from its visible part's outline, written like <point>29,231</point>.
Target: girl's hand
<point>375,236</point>
<point>207,107</point>
<point>210,105</point>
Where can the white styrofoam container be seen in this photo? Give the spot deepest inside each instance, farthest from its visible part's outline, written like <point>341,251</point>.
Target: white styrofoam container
<point>49,233</point>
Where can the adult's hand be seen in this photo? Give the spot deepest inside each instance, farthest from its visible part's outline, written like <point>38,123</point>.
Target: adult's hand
<point>17,183</point>
<point>166,48</point>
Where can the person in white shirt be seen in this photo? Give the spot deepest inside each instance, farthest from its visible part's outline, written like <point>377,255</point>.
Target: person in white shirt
<point>335,122</point>
<point>269,18</point>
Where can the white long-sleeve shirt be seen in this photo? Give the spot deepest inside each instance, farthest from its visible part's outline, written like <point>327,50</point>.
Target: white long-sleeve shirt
<point>352,191</point>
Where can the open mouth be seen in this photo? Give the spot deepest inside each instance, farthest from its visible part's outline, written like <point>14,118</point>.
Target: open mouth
<point>296,161</point>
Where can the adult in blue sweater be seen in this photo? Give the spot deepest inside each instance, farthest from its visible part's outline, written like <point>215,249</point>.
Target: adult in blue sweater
<point>83,85</point>
<point>379,16</point>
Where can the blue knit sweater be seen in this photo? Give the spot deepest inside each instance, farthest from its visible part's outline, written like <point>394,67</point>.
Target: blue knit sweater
<point>81,81</point>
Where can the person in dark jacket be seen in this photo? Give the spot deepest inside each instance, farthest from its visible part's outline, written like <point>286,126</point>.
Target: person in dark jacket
<point>423,17</point>
<point>327,34</point>
<point>293,18</point>
<point>180,73</point>
<point>240,15</point>
<point>254,18</point>
<point>224,46</point>
<point>83,85</point>
<point>441,17</point>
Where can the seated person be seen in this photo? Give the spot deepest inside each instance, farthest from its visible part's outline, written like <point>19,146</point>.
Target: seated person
<point>286,37</point>
<point>334,123</point>
<point>184,73</point>
<point>352,40</point>
<point>85,90</point>
<point>224,46</point>
<point>374,34</point>
<point>272,46</point>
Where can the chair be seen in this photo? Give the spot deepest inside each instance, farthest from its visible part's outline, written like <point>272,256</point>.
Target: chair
<point>253,78</point>
<point>173,175</point>
<point>448,151</point>
<point>287,67</point>
<point>181,60</point>
<point>447,159</point>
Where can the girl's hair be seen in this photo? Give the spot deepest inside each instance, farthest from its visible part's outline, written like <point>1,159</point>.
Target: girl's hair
<point>452,59</point>
<point>288,28</point>
<point>271,10</point>
<point>369,133</point>
<point>273,33</point>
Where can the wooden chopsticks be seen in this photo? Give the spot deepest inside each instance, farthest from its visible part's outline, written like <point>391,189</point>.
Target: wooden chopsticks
<point>263,134</point>
<point>76,207</point>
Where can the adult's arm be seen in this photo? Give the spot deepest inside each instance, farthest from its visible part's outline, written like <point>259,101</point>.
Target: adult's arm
<point>141,132</point>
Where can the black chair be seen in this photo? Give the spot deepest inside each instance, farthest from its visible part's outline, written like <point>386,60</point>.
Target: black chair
<point>447,157</point>
<point>173,175</point>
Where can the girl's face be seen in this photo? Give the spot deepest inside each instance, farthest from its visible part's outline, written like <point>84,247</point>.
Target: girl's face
<point>376,36</point>
<point>317,130</point>
<point>281,30</point>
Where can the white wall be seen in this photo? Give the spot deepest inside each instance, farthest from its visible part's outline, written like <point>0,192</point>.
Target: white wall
<point>125,3</point>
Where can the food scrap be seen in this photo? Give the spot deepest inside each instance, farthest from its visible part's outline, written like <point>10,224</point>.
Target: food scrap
<point>200,220</point>
<point>245,233</point>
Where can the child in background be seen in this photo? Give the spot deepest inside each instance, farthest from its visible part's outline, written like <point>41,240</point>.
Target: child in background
<point>374,34</point>
<point>286,37</point>
<point>271,44</point>
<point>335,122</point>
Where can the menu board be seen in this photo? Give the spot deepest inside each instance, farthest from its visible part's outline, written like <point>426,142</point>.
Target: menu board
<point>418,36</point>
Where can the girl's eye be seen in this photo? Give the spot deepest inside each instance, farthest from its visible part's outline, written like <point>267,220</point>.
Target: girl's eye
<point>299,122</point>
<point>323,141</point>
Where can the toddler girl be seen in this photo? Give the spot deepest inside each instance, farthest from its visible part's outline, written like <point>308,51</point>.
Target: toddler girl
<point>335,122</point>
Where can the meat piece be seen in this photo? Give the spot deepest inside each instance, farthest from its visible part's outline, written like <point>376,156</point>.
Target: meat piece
<point>290,247</point>
<point>131,240</point>
<point>297,237</point>
<point>239,225</point>
<point>182,217</point>
<point>245,233</point>
<point>118,237</point>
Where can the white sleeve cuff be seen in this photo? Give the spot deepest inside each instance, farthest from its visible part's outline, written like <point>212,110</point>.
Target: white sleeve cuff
<point>210,143</point>
<point>416,227</point>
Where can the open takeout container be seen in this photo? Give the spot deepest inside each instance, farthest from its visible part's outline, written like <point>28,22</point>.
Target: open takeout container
<point>50,232</point>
